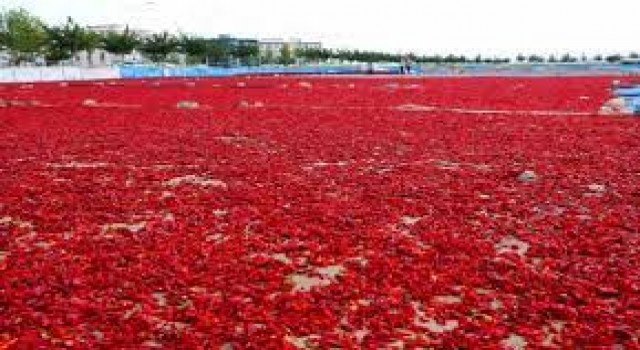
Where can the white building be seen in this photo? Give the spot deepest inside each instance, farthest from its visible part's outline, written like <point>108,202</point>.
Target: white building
<point>101,57</point>
<point>104,29</point>
<point>5,58</point>
<point>273,47</point>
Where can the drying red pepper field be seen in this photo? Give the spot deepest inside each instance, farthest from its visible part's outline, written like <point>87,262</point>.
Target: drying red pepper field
<point>318,212</point>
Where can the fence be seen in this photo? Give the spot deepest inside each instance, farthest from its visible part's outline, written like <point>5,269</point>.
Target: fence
<point>530,69</point>
<point>204,71</point>
<point>29,74</point>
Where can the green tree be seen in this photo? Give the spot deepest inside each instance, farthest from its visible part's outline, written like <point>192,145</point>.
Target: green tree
<point>344,55</point>
<point>268,57</point>
<point>120,43</point>
<point>64,41</point>
<point>22,34</point>
<point>304,54</point>
<point>311,55</point>
<point>158,46</point>
<point>535,59</point>
<point>4,37</point>
<point>247,53</point>
<point>90,41</point>
<point>218,52</point>
<point>567,58</point>
<point>286,56</point>
<point>58,48</point>
<point>326,54</point>
<point>615,58</point>
<point>195,48</point>
<point>521,58</point>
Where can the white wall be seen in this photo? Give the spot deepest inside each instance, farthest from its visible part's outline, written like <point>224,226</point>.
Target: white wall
<point>33,74</point>
<point>101,58</point>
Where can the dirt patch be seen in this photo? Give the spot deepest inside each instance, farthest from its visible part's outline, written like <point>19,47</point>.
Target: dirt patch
<point>410,220</point>
<point>196,180</point>
<point>283,258</point>
<point>596,190</point>
<point>422,321</point>
<point>511,244</point>
<point>160,298</point>
<point>131,227</point>
<point>528,176</point>
<point>447,299</point>
<point>187,105</point>
<point>322,164</point>
<point>515,342</point>
<point>305,85</point>
<point>79,165</point>
<point>89,102</point>
<point>8,220</point>
<point>411,107</point>
<point>304,282</point>
<point>615,106</point>
<point>248,105</point>
<point>306,342</point>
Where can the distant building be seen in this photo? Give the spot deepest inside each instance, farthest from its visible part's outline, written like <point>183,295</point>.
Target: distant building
<point>5,58</point>
<point>235,42</point>
<point>273,47</point>
<point>228,51</point>
<point>104,29</point>
<point>101,57</point>
<point>234,51</point>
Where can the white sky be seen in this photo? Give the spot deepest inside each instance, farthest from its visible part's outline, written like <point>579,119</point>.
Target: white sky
<point>489,27</point>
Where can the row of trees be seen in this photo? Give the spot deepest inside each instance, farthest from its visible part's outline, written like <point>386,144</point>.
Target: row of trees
<point>567,58</point>
<point>26,37</point>
<point>372,56</point>
<point>376,56</point>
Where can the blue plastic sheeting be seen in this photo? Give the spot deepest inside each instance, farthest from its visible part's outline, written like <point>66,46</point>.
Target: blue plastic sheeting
<point>527,69</point>
<point>631,96</point>
<point>628,91</point>
<point>468,69</point>
<point>131,71</point>
<point>633,103</point>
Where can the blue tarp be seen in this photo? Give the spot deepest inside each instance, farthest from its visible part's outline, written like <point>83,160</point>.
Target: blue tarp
<point>142,71</point>
<point>632,91</point>
<point>528,69</point>
<point>631,96</point>
<point>473,69</point>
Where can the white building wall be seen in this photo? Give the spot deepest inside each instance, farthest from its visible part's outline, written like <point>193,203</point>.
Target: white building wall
<point>102,58</point>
